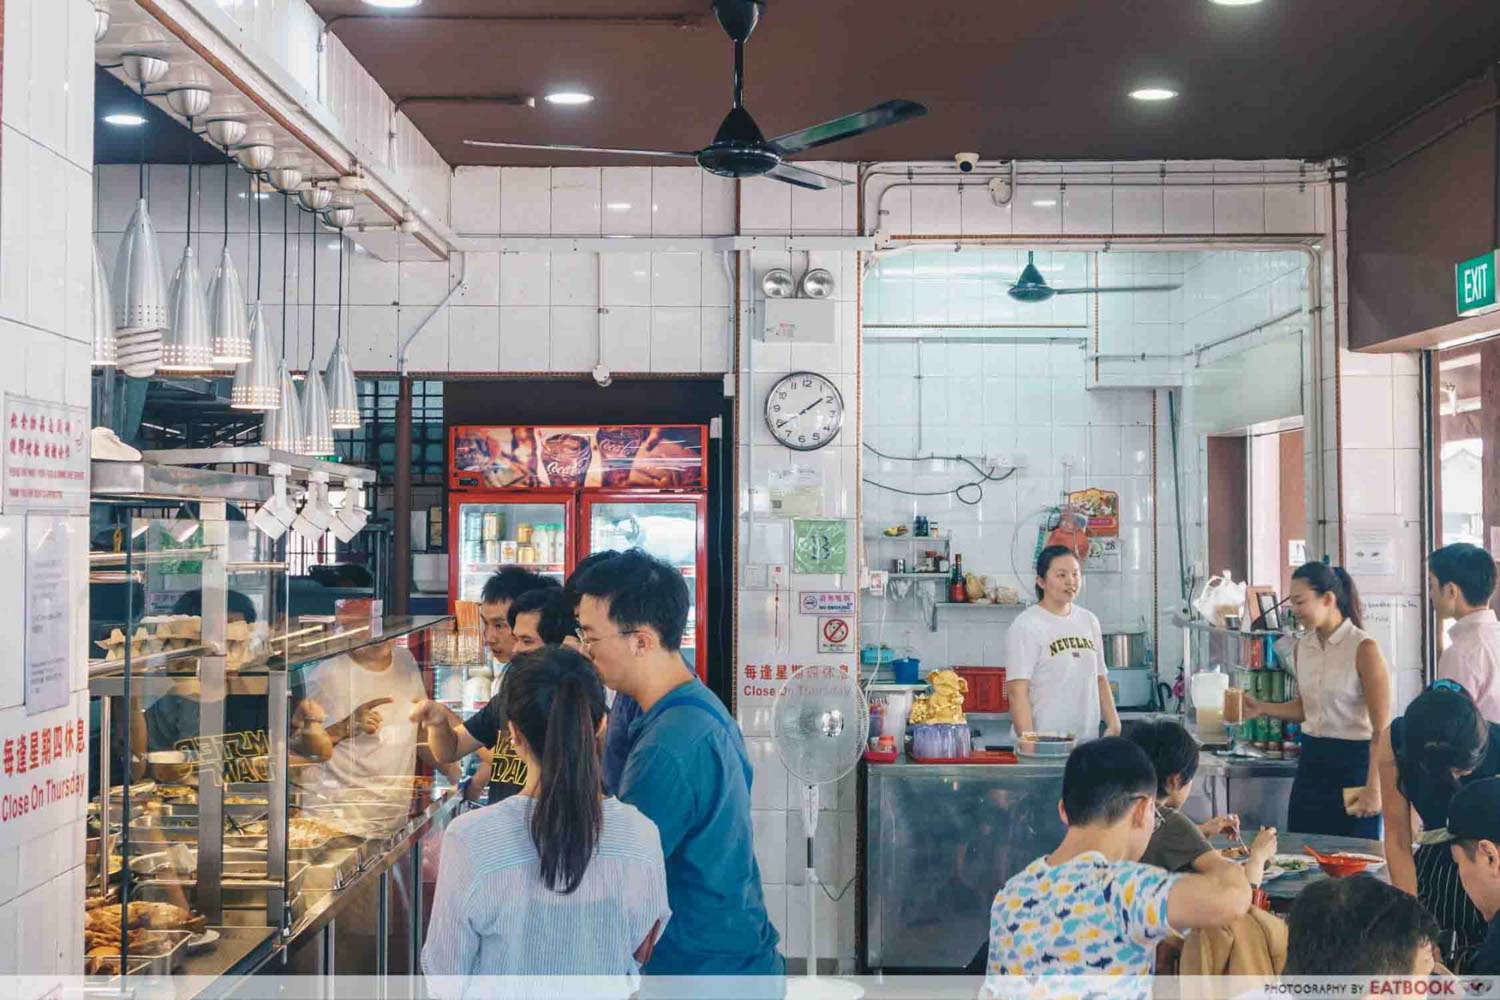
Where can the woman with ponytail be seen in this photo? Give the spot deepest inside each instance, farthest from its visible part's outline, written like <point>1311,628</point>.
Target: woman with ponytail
<point>557,880</point>
<point>1439,745</point>
<point>1343,702</point>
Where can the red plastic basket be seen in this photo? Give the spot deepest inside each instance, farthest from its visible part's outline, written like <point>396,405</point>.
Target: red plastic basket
<point>986,689</point>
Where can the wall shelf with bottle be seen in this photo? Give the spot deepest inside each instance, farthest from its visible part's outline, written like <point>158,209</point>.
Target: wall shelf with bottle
<point>970,607</point>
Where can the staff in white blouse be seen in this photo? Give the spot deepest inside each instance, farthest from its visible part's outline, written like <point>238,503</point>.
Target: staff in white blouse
<point>1055,672</point>
<point>558,881</point>
<point>1343,700</point>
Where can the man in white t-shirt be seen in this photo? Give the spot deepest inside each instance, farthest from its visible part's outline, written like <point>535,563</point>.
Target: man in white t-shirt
<point>1055,675</point>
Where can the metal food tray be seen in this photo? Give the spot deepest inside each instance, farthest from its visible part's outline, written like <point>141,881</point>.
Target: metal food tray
<point>164,964</point>
<point>244,888</point>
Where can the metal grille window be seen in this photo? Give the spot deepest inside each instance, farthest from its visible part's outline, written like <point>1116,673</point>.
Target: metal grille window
<point>374,444</point>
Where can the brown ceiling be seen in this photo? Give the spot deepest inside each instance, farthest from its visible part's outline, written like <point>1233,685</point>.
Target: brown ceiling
<point>1043,79</point>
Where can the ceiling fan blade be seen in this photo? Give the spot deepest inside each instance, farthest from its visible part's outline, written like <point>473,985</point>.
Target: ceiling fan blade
<point>881,115</point>
<point>802,177</point>
<point>1121,288</point>
<point>579,149</point>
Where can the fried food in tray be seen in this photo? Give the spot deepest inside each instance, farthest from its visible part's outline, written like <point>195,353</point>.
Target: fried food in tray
<point>151,930</point>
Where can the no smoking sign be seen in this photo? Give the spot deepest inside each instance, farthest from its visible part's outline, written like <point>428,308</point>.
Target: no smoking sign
<point>835,635</point>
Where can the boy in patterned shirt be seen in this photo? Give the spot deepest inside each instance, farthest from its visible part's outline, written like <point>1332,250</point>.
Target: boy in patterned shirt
<point>1091,908</point>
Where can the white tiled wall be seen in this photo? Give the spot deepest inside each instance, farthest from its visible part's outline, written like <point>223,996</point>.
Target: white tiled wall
<point>46,218</point>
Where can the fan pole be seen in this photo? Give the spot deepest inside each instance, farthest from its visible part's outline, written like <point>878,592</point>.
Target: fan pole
<point>810,803</point>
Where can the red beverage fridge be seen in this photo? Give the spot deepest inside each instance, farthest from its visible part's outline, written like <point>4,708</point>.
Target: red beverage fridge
<point>545,497</point>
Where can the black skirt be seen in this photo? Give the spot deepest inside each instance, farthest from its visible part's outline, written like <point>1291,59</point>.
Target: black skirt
<point>1440,891</point>
<point>1326,768</point>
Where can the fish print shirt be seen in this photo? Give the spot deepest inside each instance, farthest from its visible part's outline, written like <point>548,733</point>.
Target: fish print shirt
<point>1088,916</point>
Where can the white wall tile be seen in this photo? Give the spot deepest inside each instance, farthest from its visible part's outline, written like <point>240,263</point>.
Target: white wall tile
<point>935,210</point>
<point>524,335</point>
<point>525,279</point>
<point>716,355</point>
<point>1036,209</point>
<point>676,340</point>
<point>1087,209</point>
<point>372,281</point>
<point>427,350</point>
<point>1138,210</point>
<point>474,338</point>
<point>575,279</point>
<point>49,75</point>
<point>1369,420</point>
<point>1239,210</point>
<point>575,338</point>
<point>718,204</point>
<point>525,201</point>
<point>677,201</point>
<point>423,282</point>
<point>372,338</point>
<point>1188,209</point>
<point>676,279</point>
<point>575,200</point>
<point>627,338</point>
<point>481,285</point>
<point>476,200</point>
<point>626,200</point>
<point>627,279</point>
<point>1289,209</point>
<point>15,224</point>
<point>15,111</point>
<point>819,211</point>
<point>765,206</point>
<point>80,85</point>
<point>981,216</point>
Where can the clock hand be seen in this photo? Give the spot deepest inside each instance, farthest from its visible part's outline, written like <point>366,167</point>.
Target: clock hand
<point>809,406</point>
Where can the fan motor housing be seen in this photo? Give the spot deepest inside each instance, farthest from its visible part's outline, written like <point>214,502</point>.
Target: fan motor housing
<point>738,161</point>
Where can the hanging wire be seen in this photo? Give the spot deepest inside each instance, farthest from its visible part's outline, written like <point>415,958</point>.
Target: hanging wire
<point>338,326</point>
<point>312,355</point>
<point>260,244</point>
<point>299,271</point>
<point>957,492</point>
<point>190,185</point>
<point>226,206</point>
<point>284,236</point>
<point>141,173</point>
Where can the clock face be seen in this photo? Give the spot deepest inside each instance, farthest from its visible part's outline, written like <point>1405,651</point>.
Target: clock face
<point>804,411</point>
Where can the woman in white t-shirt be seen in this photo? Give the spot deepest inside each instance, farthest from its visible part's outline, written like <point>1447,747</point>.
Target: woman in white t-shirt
<point>1055,672</point>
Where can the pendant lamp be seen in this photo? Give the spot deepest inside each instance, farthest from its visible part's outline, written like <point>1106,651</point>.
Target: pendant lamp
<point>106,347</point>
<point>227,313</point>
<point>140,289</point>
<point>317,423</point>
<point>255,386</point>
<point>283,427</point>
<point>187,345</point>
<point>338,379</point>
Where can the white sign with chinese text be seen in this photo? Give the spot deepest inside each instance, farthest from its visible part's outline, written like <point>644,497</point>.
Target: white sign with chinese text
<point>49,613</point>
<point>826,602</point>
<point>44,776</point>
<point>46,457</point>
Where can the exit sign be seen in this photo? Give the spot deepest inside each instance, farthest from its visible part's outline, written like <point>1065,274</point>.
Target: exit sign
<point>1474,281</point>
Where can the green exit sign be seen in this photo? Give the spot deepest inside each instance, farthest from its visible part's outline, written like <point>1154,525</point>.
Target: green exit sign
<point>1474,281</point>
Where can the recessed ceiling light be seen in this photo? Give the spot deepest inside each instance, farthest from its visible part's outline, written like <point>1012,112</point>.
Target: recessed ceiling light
<point>1153,94</point>
<point>569,97</point>
<point>393,4</point>
<point>618,206</point>
<point>1235,3</point>
<point>1045,202</point>
<point>124,118</point>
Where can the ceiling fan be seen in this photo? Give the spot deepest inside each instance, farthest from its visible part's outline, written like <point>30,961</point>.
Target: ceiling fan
<point>1032,287</point>
<point>739,148</point>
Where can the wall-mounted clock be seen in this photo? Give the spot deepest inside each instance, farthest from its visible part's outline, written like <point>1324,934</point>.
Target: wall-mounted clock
<point>804,411</point>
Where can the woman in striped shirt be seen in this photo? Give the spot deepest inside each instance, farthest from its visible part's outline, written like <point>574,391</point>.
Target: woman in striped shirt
<point>558,880</point>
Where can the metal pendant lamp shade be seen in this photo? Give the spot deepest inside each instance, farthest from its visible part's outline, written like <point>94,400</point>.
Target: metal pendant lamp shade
<point>187,346</point>
<point>342,392</point>
<point>228,316</point>
<point>317,426</point>
<point>106,348</point>
<point>255,382</point>
<point>283,426</point>
<point>140,290</point>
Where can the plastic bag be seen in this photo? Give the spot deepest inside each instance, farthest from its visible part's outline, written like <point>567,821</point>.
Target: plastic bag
<point>1221,596</point>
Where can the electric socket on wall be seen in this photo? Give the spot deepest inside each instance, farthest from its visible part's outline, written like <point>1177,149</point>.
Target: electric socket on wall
<point>756,576</point>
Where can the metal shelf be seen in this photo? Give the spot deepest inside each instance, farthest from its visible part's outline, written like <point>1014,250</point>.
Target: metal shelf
<point>880,537</point>
<point>919,576</point>
<point>112,481</point>
<point>970,606</point>
<point>1241,633</point>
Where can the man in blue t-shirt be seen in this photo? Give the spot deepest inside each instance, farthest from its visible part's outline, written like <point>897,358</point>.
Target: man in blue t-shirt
<point>686,770</point>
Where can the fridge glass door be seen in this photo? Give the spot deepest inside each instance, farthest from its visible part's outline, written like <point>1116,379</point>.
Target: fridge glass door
<point>490,535</point>
<point>667,530</point>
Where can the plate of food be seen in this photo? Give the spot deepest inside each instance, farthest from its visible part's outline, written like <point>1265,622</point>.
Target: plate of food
<point>1288,864</point>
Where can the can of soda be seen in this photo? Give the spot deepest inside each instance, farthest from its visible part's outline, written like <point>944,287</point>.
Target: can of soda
<point>1273,731</point>
<point>1278,685</point>
<point>898,566</point>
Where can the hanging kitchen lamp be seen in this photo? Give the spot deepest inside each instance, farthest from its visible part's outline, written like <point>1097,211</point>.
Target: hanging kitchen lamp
<point>228,316</point>
<point>317,422</point>
<point>338,379</point>
<point>106,347</point>
<point>255,382</point>
<point>283,427</point>
<point>187,345</point>
<point>140,289</point>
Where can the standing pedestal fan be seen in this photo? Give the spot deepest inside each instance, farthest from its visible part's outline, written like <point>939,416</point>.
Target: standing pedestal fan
<point>820,723</point>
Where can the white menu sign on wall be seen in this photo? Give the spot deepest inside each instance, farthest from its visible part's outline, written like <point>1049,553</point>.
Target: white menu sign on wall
<point>44,778</point>
<point>49,613</point>
<point>46,456</point>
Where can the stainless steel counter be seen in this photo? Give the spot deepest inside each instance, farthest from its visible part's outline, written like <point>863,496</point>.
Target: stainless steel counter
<point>938,840</point>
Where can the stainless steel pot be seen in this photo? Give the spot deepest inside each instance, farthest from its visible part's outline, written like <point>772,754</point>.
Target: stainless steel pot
<point>1123,650</point>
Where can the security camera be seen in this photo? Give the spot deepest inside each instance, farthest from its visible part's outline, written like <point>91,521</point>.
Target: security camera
<point>966,161</point>
<point>602,377</point>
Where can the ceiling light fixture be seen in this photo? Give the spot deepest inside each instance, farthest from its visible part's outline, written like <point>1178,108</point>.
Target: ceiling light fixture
<point>228,314</point>
<point>618,206</point>
<point>1045,202</point>
<point>569,97</point>
<point>1153,94</point>
<point>124,118</point>
<point>394,4</point>
<point>1235,3</point>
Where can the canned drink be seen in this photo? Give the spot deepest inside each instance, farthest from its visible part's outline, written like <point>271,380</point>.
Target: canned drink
<point>1278,684</point>
<point>898,566</point>
<point>1273,731</point>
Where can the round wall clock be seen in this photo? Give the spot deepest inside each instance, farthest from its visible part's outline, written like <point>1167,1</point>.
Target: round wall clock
<point>804,411</point>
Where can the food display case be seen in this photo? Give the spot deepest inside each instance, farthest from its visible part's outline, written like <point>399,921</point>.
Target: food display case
<point>256,777</point>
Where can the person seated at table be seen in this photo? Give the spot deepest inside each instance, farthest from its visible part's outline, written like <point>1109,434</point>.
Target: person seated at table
<point>1179,844</point>
<point>1474,826</point>
<point>1427,755</point>
<point>1359,926</point>
<point>1090,907</point>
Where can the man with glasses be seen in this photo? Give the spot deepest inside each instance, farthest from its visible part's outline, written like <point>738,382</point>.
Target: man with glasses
<point>451,738</point>
<point>1090,908</point>
<point>687,771</point>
